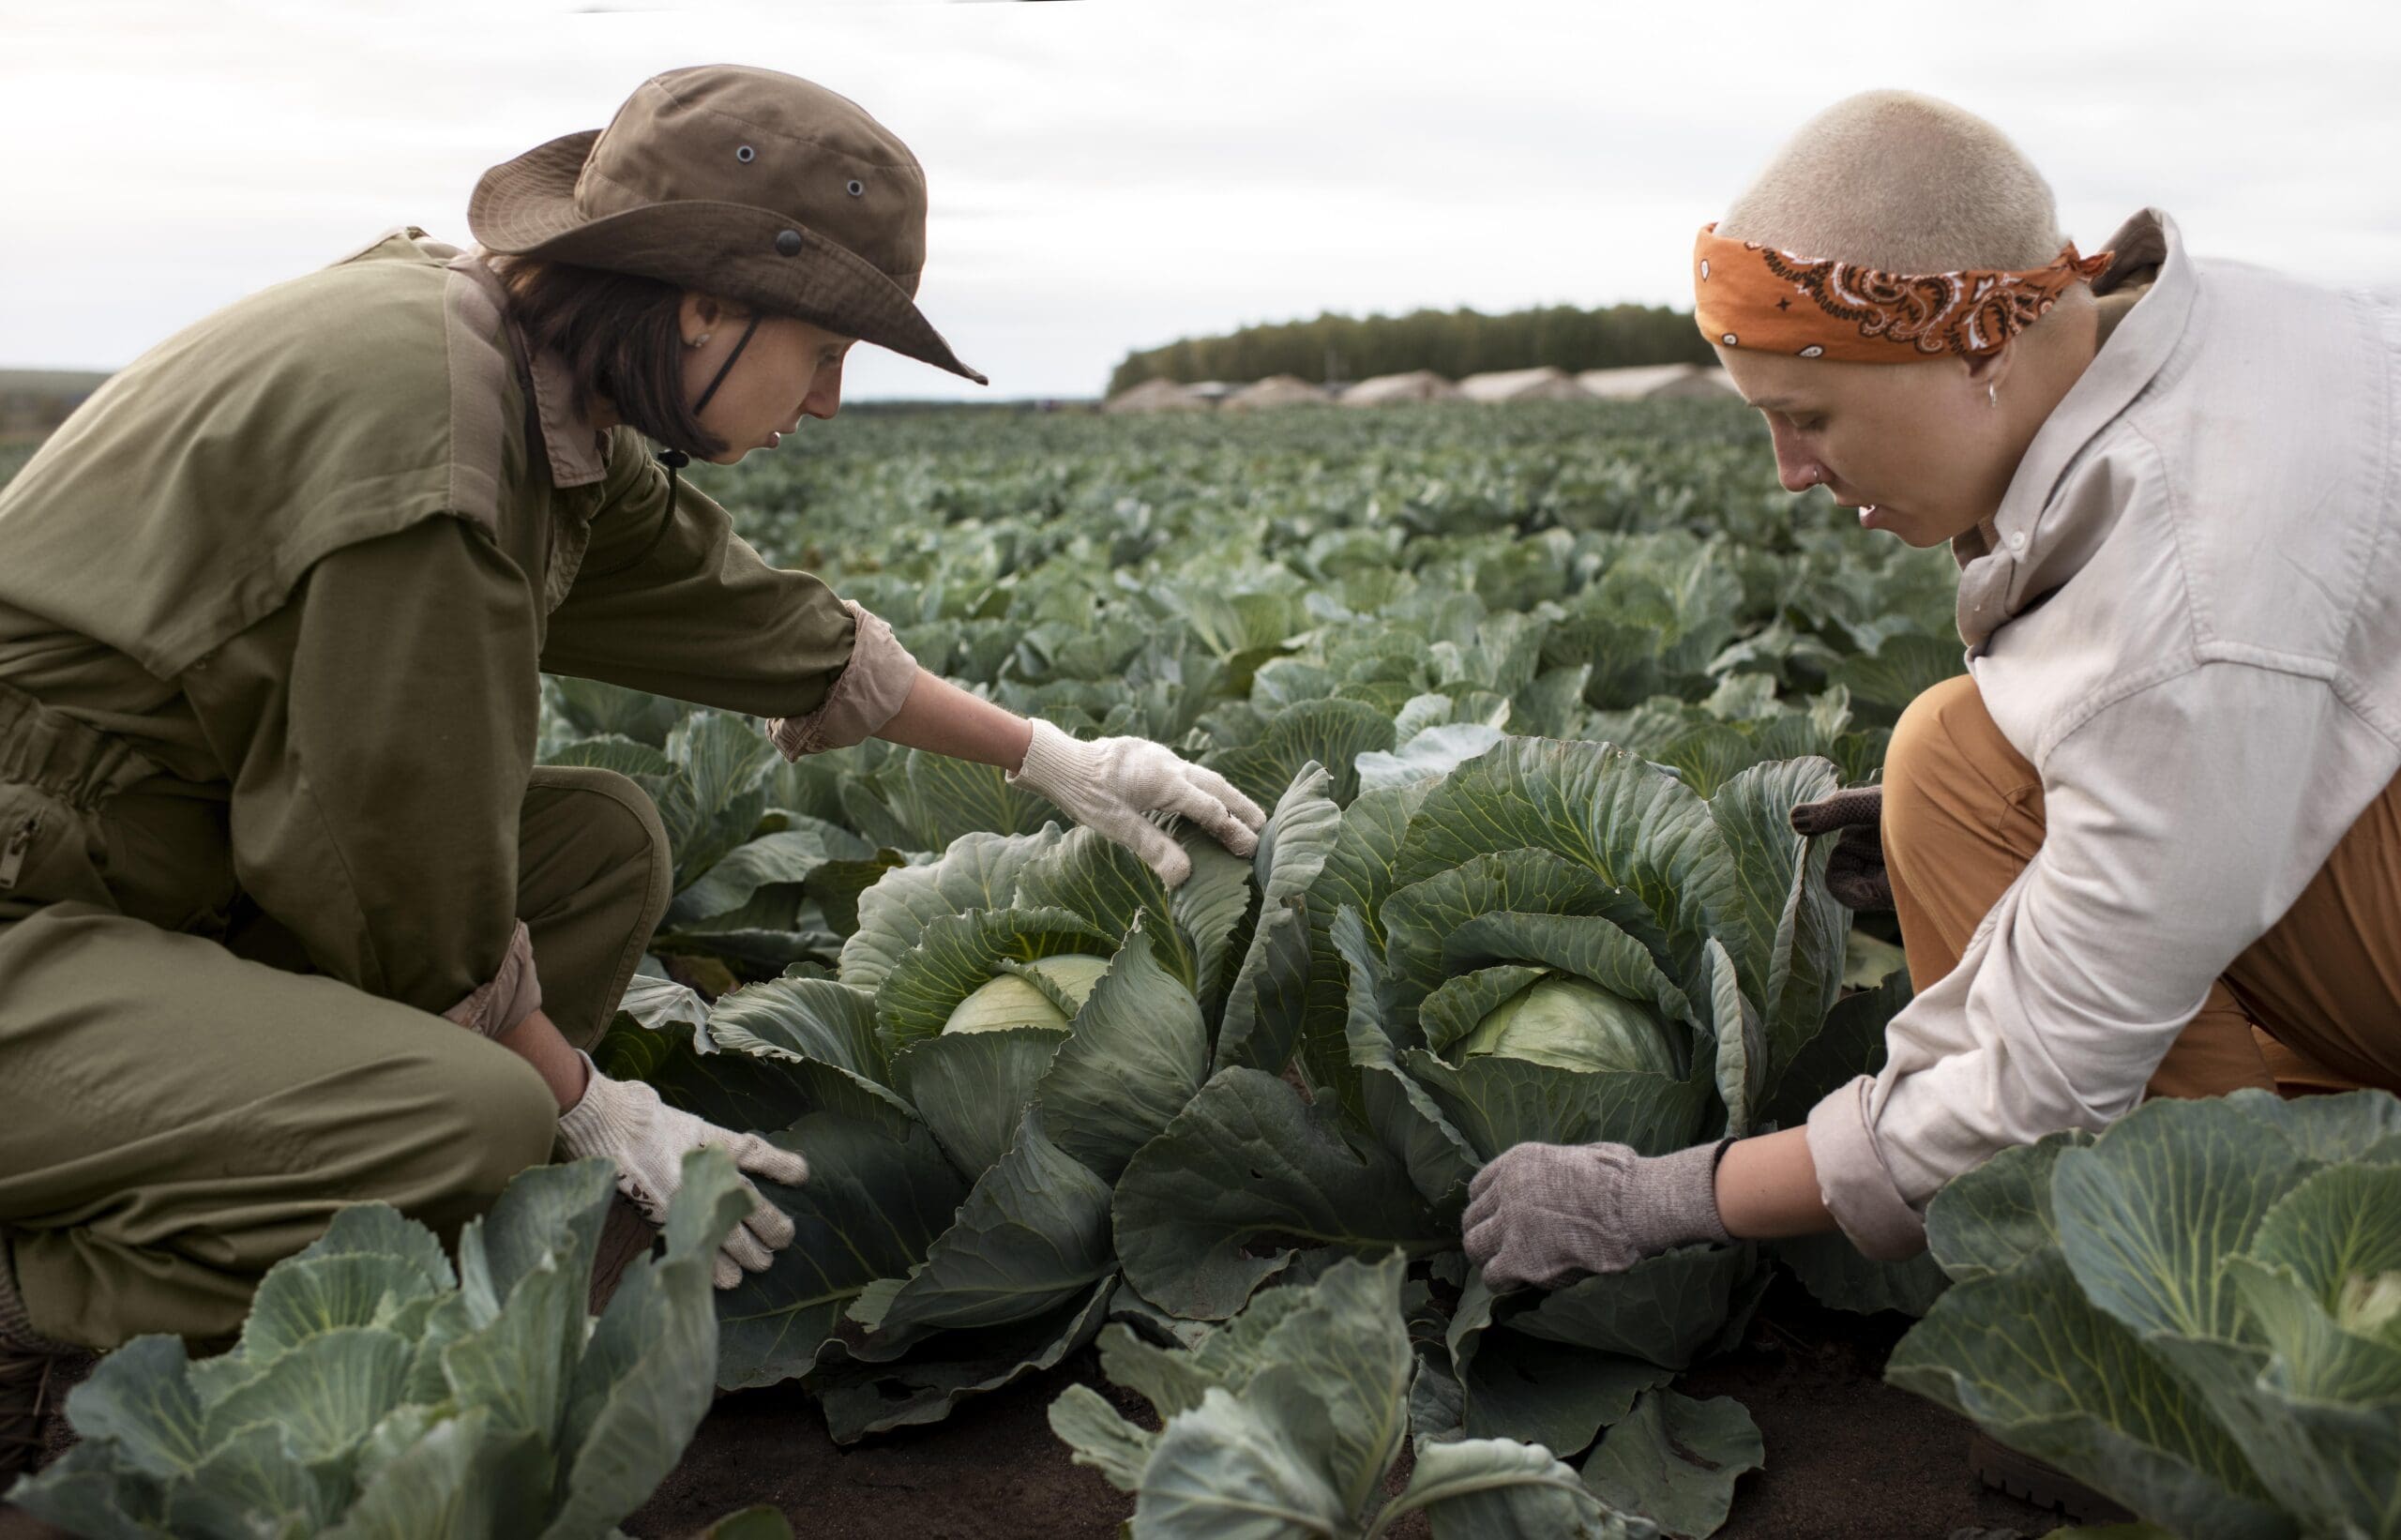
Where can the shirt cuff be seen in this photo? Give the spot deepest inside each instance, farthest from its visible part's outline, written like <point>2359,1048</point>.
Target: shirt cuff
<point>869,693</point>
<point>514,993</point>
<point>1858,1190</point>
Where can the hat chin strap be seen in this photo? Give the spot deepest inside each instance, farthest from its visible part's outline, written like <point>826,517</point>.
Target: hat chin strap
<point>676,460</point>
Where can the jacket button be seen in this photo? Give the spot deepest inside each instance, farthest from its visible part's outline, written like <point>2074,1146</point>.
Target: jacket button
<point>789,243</point>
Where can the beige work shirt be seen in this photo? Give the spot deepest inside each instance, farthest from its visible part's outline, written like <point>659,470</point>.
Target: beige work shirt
<point>2187,615</point>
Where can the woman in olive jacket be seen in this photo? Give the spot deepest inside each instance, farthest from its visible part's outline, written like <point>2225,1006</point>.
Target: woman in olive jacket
<point>288,917</point>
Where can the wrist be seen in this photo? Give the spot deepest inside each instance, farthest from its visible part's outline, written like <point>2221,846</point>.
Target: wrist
<point>595,1116</point>
<point>1052,761</point>
<point>1681,1189</point>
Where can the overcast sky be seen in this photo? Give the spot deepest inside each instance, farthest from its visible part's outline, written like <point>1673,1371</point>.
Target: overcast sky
<point>1108,174</point>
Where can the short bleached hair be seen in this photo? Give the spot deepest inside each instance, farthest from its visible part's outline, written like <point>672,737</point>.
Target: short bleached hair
<point>1901,182</point>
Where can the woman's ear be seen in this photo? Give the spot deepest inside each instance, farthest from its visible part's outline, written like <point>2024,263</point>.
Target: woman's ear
<point>700,312</point>
<point>1988,370</point>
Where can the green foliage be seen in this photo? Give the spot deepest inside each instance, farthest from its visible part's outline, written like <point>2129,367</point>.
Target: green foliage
<point>1286,1421</point>
<point>1410,634</point>
<point>1385,594</point>
<point>2188,1313</point>
<point>377,1392</point>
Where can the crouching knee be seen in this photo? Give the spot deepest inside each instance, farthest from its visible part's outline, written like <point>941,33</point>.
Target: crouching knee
<point>466,1116</point>
<point>1931,776</point>
<point>505,1120</point>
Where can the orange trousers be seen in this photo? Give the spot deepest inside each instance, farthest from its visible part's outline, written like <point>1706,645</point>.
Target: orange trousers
<point>2313,1006</point>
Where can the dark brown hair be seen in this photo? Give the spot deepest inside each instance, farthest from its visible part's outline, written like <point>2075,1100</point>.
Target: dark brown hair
<point>621,338</point>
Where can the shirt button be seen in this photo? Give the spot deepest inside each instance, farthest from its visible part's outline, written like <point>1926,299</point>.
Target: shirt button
<point>2017,539</point>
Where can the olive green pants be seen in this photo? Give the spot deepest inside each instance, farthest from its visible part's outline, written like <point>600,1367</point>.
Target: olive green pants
<point>177,1114</point>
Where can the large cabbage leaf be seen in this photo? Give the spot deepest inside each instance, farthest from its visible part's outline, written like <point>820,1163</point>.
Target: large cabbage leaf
<point>2168,1311</point>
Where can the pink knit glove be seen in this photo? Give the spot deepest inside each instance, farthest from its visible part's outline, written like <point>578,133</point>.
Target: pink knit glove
<point>1541,1212</point>
<point>1112,784</point>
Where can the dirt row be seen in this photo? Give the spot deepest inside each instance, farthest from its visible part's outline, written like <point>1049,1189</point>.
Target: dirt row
<point>1849,1458</point>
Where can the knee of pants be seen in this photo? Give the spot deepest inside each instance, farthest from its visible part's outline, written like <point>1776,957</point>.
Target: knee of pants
<point>621,821</point>
<point>496,1117</point>
<point>1926,763</point>
<point>618,809</point>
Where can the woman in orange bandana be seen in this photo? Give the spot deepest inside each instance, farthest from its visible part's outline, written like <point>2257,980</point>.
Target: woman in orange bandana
<point>2162,806</point>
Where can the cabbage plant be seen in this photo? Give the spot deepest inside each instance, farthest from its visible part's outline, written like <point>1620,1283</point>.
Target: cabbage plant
<point>1286,1423</point>
<point>1556,942</point>
<point>377,1392</point>
<point>2194,1312</point>
<point>1009,1024</point>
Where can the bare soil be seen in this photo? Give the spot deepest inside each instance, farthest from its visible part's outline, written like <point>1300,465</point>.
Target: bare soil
<point>1849,1458</point>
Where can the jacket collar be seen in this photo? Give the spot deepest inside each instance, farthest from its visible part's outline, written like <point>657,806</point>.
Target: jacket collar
<point>2025,548</point>
<point>576,448</point>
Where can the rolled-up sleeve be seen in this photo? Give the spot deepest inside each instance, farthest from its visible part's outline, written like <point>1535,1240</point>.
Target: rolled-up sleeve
<point>675,603</point>
<point>377,730</point>
<point>2182,822</point>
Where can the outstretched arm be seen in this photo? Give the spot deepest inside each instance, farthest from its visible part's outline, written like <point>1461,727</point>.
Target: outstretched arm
<point>942,718</point>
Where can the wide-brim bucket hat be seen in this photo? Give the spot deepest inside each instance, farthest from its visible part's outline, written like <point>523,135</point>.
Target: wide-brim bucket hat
<point>740,182</point>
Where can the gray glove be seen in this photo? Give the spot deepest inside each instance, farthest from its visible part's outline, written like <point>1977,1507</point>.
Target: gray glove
<point>1540,1211</point>
<point>1855,872</point>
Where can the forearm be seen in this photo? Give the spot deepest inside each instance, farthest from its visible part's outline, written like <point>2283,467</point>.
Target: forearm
<point>1767,1189</point>
<point>536,1041</point>
<point>942,718</point>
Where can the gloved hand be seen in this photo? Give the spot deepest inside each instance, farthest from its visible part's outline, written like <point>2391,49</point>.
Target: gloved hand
<point>1540,1211</point>
<point>1855,873</point>
<point>1111,782</point>
<point>625,1121</point>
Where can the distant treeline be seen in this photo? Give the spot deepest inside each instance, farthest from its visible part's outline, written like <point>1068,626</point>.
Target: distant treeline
<point>35,400</point>
<point>1452,344</point>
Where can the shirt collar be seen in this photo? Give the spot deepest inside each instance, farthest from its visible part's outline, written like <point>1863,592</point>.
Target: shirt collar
<point>2002,558</point>
<point>576,448</point>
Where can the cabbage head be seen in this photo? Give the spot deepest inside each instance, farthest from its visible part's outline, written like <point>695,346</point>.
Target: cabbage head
<point>1570,1024</point>
<point>1013,1001</point>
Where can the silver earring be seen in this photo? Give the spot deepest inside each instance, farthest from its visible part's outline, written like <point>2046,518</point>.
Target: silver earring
<point>1992,395</point>
<point>696,341</point>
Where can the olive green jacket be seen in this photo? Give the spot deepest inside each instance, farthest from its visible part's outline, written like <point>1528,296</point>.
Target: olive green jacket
<point>309,557</point>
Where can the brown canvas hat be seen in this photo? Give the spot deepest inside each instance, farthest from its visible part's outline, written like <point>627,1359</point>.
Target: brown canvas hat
<point>739,182</point>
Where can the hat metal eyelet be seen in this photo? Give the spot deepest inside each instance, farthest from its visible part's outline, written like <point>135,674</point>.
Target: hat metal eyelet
<point>746,155</point>
<point>857,188</point>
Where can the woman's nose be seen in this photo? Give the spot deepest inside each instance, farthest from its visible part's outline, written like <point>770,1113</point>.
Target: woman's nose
<point>824,393</point>
<point>1797,468</point>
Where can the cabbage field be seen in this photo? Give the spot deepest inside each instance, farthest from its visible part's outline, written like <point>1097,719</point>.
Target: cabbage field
<point>1530,692</point>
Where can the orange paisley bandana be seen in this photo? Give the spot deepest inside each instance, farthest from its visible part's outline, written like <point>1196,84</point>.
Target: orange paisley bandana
<point>1749,295</point>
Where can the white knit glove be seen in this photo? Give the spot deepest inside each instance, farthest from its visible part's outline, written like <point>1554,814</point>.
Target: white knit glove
<point>647,1138</point>
<point>1538,1213</point>
<point>1110,783</point>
